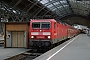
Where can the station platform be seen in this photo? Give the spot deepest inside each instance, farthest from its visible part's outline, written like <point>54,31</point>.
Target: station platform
<point>77,48</point>
<point>9,52</point>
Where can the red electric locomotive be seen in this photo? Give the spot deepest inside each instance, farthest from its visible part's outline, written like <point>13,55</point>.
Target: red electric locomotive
<point>44,33</point>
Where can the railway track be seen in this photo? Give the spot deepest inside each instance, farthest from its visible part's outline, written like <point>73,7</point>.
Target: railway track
<point>29,55</point>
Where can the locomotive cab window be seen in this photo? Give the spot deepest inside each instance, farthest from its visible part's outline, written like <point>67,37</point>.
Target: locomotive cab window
<point>41,25</point>
<point>45,24</point>
<point>36,25</point>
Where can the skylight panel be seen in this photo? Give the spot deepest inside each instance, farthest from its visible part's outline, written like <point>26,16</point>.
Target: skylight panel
<point>63,1</point>
<point>44,1</point>
<point>14,11</point>
<point>49,5</point>
<point>56,3</point>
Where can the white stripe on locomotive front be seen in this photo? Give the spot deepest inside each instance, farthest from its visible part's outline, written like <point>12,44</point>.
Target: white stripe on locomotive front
<point>46,33</point>
<point>43,33</point>
<point>34,33</point>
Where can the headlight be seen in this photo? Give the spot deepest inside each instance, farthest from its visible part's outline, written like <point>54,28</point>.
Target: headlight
<point>32,36</point>
<point>48,36</point>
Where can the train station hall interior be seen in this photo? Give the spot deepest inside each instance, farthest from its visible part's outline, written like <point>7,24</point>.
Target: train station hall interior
<point>15,16</point>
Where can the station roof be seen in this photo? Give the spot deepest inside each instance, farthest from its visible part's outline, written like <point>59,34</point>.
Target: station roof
<point>23,10</point>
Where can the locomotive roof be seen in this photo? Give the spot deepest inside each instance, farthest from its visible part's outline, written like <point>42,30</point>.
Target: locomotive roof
<point>43,20</point>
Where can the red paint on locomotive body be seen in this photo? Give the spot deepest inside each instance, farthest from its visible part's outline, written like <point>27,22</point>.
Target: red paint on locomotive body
<point>41,29</point>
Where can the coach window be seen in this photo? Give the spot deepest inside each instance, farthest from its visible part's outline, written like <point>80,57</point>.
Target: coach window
<point>55,25</point>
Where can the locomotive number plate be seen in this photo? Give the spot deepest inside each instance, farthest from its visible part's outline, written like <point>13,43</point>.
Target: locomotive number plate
<point>40,36</point>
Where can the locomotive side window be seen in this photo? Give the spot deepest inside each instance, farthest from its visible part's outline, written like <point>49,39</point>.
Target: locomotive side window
<point>55,25</point>
<point>45,24</point>
<point>36,25</point>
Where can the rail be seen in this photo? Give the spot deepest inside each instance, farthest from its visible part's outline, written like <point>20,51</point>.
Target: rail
<point>29,55</point>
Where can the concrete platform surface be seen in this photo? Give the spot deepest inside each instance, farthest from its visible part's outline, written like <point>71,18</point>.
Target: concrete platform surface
<point>9,52</point>
<point>77,48</point>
